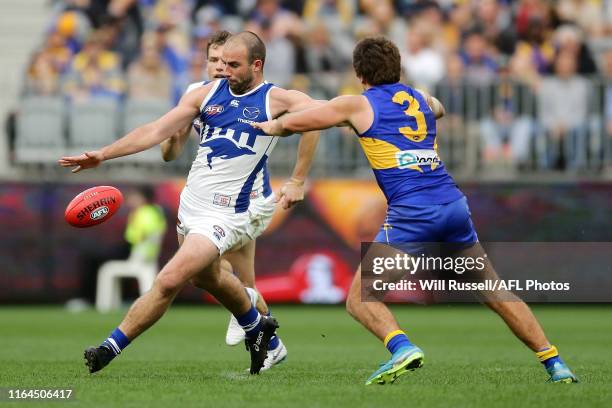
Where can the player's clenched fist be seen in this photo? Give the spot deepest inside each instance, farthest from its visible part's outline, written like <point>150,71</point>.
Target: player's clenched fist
<point>291,193</point>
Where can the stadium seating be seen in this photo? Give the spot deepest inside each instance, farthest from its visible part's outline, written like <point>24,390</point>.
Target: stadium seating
<point>92,124</point>
<point>40,130</point>
<point>138,112</point>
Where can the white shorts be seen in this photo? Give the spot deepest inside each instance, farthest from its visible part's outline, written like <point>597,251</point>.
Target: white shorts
<point>260,213</point>
<point>227,230</point>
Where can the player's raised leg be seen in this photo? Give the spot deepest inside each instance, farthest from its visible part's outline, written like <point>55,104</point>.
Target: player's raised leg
<point>378,319</point>
<point>243,262</point>
<point>197,255</point>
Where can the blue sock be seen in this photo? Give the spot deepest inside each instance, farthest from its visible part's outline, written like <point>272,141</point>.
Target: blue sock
<point>116,342</point>
<point>396,340</point>
<point>250,322</point>
<point>274,340</point>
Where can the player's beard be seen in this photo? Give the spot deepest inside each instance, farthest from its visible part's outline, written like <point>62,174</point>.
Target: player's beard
<point>241,86</point>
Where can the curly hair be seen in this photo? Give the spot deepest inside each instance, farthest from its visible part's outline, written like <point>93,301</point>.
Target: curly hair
<point>377,61</point>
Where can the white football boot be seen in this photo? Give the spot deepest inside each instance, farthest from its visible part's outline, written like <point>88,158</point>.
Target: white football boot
<point>276,356</point>
<point>235,334</point>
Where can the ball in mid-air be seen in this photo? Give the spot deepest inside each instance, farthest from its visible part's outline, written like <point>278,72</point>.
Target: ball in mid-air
<point>93,206</point>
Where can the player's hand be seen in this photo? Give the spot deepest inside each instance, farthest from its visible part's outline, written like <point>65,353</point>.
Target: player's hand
<point>291,193</point>
<point>87,160</point>
<point>271,127</point>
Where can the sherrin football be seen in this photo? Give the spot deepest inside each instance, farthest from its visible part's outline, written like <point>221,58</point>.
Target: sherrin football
<point>93,206</point>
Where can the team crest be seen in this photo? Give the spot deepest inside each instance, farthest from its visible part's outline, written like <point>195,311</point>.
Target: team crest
<point>250,112</point>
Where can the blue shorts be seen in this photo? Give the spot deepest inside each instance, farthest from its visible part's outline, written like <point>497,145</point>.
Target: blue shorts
<point>449,222</point>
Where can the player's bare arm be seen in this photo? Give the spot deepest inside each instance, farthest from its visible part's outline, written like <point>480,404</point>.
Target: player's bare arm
<point>292,192</point>
<point>145,136</point>
<point>172,147</point>
<point>352,109</point>
<point>284,101</point>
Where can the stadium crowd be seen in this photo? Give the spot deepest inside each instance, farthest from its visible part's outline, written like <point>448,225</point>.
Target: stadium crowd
<point>531,79</point>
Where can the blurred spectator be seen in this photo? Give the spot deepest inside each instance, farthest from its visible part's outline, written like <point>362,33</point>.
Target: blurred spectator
<point>451,90</point>
<point>563,107</point>
<point>95,72</point>
<point>270,16</point>
<point>423,65</point>
<point>458,22</point>
<point>122,35</point>
<point>122,16</point>
<point>569,38</point>
<point>226,7</point>
<point>495,22</point>
<point>42,77</point>
<point>430,14</point>
<point>149,76</point>
<point>208,18</point>
<point>524,70</point>
<point>506,132</point>
<point>175,58</point>
<point>537,46</point>
<point>530,13</point>
<point>279,66</point>
<point>585,13</point>
<point>323,60</point>
<point>480,64</point>
<point>58,51</point>
<point>74,27</point>
<point>338,13</point>
<point>337,16</point>
<point>380,19</point>
<point>197,65</point>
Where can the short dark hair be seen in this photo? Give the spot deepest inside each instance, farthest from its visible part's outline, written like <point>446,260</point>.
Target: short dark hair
<point>256,49</point>
<point>217,39</point>
<point>377,61</point>
<point>147,191</point>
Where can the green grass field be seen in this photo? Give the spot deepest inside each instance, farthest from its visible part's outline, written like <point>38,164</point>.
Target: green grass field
<point>471,359</point>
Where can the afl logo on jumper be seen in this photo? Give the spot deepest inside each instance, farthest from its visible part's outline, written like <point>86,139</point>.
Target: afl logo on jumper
<point>213,109</point>
<point>250,112</point>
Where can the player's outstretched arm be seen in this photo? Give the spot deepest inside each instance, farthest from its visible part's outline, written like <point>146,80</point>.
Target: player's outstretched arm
<point>338,111</point>
<point>292,192</point>
<point>144,136</point>
<point>172,147</point>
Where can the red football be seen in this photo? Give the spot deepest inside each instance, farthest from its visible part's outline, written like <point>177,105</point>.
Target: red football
<point>93,206</point>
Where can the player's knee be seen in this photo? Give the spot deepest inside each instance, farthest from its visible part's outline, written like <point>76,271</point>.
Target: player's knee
<point>168,284</point>
<point>351,304</point>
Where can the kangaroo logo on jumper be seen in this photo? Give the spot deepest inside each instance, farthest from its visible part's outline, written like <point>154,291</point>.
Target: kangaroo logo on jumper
<point>414,159</point>
<point>224,148</point>
<point>250,112</point>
